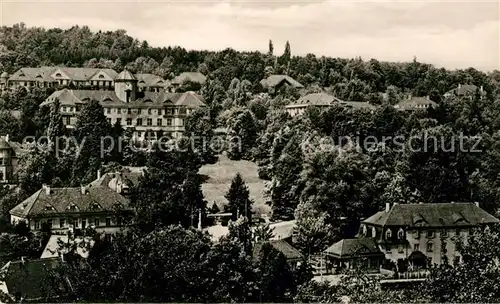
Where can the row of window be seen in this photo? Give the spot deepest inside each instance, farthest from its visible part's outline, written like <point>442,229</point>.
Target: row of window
<point>416,233</point>
<point>63,223</point>
<point>416,247</point>
<point>149,122</point>
<point>169,111</point>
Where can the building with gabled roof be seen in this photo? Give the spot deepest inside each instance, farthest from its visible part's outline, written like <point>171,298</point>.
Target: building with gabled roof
<point>465,90</point>
<point>355,253</point>
<point>274,83</point>
<point>150,82</point>
<point>292,255</point>
<point>66,209</point>
<point>150,114</point>
<point>413,103</point>
<point>322,100</point>
<point>184,77</point>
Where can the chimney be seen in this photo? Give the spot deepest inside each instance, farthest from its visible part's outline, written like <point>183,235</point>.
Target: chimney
<point>477,204</point>
<point>481,89</point>
<point>99,174</point>
<point>46,188</point>
<point>83,189</point>
<point>427,97</point>
<point>459,85</point>
<point>387,207</point>
<point>7,136</point>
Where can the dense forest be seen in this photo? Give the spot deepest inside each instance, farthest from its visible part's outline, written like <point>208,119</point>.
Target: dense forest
<point>326,186</point>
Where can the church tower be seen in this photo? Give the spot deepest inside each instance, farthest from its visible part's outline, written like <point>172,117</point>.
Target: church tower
<point>126,86</point>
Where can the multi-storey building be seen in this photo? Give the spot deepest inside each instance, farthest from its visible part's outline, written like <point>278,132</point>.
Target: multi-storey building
<point>9,154</point>
<point>417,235</point>
<point>414,231</point>
<point>78,78</point>
<point>64,209</point>
<point>150,114</point>
<point>465,90</point>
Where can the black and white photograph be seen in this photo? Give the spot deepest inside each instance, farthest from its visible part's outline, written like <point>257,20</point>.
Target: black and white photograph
<point>249,151</point>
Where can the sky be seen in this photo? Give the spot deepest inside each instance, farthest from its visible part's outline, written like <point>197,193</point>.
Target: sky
<point>450,34</point>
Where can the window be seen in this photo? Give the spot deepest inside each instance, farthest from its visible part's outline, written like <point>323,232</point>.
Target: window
<point>401,249</point>
<point>159,111</point>
<point>96,222</point>
<point>430,234</point>
<point>181,122</point>
<point>139,121</point>
<point>58,75</point>
<point>169,122</point>
<point>388,234</point>
<point>416,234</point>
<point>150,122</point>
<point>108,110</point>
<point>457,232</point>
<point>430,246</point>
<point>67,120</point>
<point>78,108</point>
<point>401,234</point>
<point>84,223</point>
<point>37,224</point>
<point>365,230</point>
<point>101,76</point>
<point>158,122</point>
<point>129,111</point>
<point>444,233</point>
<point>49,223</point>
<point>150,111</point>
<point>108,222</point>
<point>62,223</point>
<point>129,121</point>
<point>416,247</point>
<point>139,111</point>
<point>119,121</point>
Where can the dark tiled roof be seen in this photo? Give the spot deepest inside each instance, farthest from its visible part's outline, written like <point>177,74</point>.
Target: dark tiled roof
<point>60,200</point>
<point>432,215</point>
<point>109,98</point>
<point>413,102</point>
<point>196,77</point>
<point>31,279</point>
<point>317,99</point>
<point>282,246</point>
<point>125,75</point>
<point>111,180</point>
<point>149,80</point>
<point>347,248</point>
<point>358,105</point>
<point>275,80</point>
<point>44,73</point>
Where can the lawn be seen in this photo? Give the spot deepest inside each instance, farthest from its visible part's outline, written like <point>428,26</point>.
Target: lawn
<point>219,176</point>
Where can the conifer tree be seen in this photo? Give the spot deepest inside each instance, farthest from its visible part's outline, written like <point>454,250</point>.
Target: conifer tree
<point>238,197</point>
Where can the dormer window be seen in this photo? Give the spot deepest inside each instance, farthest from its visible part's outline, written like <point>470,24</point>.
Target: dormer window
<point>416,234</point>
<point>49,208</point>
<point>388,234</point>
<point>58,75</point>
<point>72,207</point>
<point>365,230</point>
<point>38,76</point>
<point>95,206</point>
<point>430,234</point>
<point>101,76</point>
<point>444,233</point>
<point>401,234</point>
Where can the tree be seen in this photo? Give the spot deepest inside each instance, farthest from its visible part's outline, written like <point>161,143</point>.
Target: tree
<point>271,48</point>
<point>313,229</point>
<point>475,277</point>
<point>240,231</point>
<point>242,134</point>
<point>262,233</point>
<point>56,128</point>
<point>287,54</point>
<point>238,197</point>
<point>199,129</point>
<point>91,131</point>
